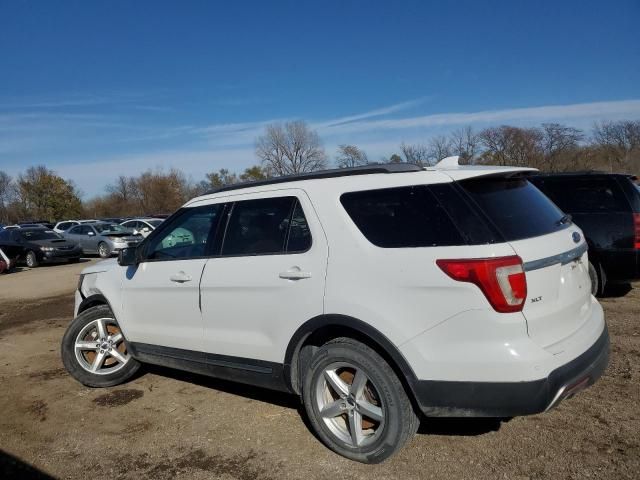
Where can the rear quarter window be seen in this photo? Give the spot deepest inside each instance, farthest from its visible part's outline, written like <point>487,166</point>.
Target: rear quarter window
<point>515,207</point>
<point>401,217</point>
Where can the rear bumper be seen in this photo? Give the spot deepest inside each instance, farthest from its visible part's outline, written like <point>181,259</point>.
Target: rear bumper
<point>508,399</point>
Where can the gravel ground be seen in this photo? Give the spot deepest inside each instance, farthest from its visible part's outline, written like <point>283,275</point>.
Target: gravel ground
<point>167,424</point>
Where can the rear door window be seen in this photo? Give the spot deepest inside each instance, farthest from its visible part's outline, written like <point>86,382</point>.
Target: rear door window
<point>401,217</point>
<point>585,195</point>
<point>259,227</point>
<point>515,207</point>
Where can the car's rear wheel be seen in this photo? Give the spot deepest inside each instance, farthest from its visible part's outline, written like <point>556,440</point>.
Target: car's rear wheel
<point>94,350</point>
<point>31,259</point>
<point>355,402</point>
<point>103,250</point>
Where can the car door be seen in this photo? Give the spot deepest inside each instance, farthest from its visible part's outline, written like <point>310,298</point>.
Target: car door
<point>77,234</point>
<point>268,278</point>
<point>161,296</point>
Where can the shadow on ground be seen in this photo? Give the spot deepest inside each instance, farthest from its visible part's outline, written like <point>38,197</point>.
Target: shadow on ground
<point>12,467</point>
<point>428,426</point>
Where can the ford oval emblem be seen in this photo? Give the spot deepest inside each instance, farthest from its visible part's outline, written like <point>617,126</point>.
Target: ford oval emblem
<point>576,237</point>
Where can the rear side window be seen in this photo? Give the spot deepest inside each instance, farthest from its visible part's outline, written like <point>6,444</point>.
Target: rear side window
<point>401,217</point>
<point>514,206</point>
<point>266,226</point>
<point>585,195</point>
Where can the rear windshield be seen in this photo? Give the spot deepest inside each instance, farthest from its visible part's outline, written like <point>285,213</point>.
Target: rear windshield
<point>40,235</point>
<point>514,206</point>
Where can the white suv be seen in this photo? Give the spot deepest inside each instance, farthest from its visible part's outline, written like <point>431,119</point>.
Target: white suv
<point>376,294</point>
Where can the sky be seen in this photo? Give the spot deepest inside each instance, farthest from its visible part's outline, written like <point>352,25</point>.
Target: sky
<point>94,90</point>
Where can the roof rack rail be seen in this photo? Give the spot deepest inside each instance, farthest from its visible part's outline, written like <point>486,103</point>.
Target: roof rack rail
<point>331,173</point>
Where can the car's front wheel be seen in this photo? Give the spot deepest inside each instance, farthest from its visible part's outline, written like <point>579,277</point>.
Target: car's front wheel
<point>356,403</point>
<point>31,259</point>
<point>103,250</point>
<point>94,350</point>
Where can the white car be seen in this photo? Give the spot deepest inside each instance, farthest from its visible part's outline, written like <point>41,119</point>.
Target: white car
<point>65,225</point>
<point>142,226</point>
<point>378,294</point>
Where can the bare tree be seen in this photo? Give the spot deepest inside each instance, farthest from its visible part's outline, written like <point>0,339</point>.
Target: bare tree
<point>465,143</point>
<point>6,194</point>
<point>350,156</point>
<point>620,143</point>
<point>290,148</point>
<point>439,148</point>
<point>415,153</point>
<point>514,146</point>
<point>560,146</point>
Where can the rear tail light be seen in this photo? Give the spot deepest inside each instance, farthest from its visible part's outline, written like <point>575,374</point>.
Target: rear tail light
<point>636,227</point>
<point>502,279</point>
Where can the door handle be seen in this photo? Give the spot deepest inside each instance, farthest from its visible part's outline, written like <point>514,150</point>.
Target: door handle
<point>294,274</point>
<point>180,277</point>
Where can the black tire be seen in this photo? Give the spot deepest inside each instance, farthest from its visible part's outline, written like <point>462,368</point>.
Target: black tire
<point>74,260</point>
<point>399,422</point>
<point>598,279</point>
<point>73,365</point>
<point>31,259</point>
<point>103,250</point>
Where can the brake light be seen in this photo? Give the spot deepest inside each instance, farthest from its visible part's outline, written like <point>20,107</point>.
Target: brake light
<point>501,279</point>
<point>636,227</point>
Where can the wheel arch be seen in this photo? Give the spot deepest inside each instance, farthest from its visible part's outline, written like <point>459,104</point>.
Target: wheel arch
<point>93,301</point>
<point>319,330</point>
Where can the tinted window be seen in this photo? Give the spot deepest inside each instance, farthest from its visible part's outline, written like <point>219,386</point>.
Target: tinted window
<point>5,235</point>
<point>401,217</point>
<point>189,235</point>
<point>258,226</point>
<point>110,228</point>
<point>75,230</point>
<point>584,195</point>
<point>30,235</point>
<point>299,234</point>
<point>515,207</point>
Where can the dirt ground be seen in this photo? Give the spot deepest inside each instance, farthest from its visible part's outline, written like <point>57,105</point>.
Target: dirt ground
<point>166,424</point>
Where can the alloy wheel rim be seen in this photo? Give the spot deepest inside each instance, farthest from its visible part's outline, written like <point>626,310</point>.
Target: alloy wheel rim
<point>102,250</point>
<point>100,348</point>
<point>349,404</point>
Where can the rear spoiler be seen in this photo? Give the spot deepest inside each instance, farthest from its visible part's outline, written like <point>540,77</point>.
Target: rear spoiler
<point>451,167</point>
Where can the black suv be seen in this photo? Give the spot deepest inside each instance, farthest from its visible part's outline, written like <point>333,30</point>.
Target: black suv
<point>606,207</point>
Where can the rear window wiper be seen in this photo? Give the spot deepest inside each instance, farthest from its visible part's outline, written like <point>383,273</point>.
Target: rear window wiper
<point>566,218</point>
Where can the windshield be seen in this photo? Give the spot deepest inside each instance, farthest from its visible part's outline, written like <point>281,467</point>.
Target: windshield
<point>40,235</point>
<point>110,228</point>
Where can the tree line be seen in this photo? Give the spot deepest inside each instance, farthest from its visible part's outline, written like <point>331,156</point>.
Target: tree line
<point>293,147</point>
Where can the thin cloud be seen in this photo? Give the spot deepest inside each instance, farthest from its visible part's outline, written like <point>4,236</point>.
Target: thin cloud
<point>371,113</point>
<point>545,113</point>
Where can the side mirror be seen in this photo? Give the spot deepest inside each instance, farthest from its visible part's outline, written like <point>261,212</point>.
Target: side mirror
<point>128,257</point>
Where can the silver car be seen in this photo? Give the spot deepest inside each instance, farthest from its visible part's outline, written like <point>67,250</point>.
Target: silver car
<point>102,238</point>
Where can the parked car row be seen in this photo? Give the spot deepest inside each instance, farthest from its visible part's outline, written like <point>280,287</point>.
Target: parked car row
<point>37,243</point>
